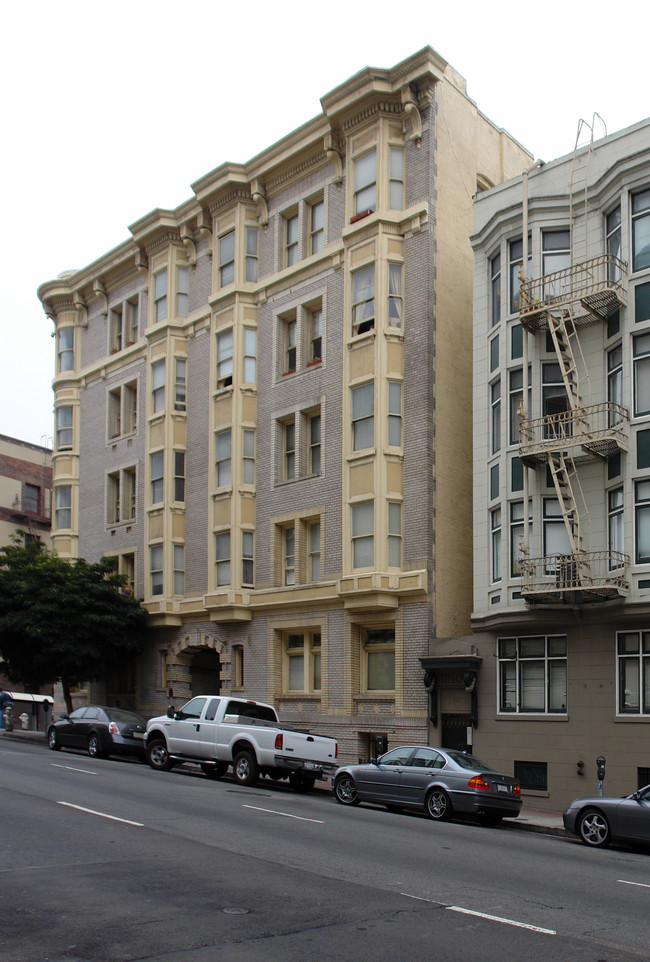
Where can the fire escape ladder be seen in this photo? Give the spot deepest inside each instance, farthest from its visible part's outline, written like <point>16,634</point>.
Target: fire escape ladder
<point>566,482</point>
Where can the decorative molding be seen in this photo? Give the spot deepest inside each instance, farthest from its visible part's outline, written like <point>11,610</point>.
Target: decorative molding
<point>413,113</point>
<point>296,170</point>
<point>168,236</point>
<point>82,310</point>
<point>379,107</point>
<point>333,151</point>
<point>225,200</point>
<point>99,290</point>
<point>188,244</point>
<point>204,227</point>
<point>257,193</point>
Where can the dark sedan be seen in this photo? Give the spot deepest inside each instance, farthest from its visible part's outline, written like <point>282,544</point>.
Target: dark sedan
<point>100,731</point>
<point>444,782</point>
<point>599,820</point>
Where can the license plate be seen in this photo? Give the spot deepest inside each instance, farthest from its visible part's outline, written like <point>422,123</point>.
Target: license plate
<point>502,788</point>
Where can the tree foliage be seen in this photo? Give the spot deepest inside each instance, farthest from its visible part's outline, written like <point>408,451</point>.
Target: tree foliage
<point>62,620</point>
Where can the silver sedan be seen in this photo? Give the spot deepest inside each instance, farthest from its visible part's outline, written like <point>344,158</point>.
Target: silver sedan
<point>441,781</point>
<point>600,820</point>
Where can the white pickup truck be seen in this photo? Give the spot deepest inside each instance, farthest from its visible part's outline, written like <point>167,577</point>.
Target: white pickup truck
<point>220,731</point>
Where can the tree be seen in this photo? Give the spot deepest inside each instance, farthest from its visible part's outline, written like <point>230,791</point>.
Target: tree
<point>62,620</point>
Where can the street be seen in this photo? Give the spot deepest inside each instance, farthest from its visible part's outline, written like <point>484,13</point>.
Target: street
<point>109,860</point>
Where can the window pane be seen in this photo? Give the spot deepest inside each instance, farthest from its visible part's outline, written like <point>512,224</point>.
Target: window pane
<point>532,685</point>
<point>557,686</point>
<point>381,670</point>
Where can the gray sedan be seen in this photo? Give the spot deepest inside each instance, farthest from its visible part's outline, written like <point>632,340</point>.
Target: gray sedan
<point>599,820</point>
<point>442,781</point>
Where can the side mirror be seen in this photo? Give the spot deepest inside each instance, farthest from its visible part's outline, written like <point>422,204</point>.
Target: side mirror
<point>373,761</point>
<point>170,711</point>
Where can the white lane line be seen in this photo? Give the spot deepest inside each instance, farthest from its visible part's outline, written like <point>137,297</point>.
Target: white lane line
<point>91,811</point>
<point>69,768</point>
<point>496,918</point>
<point>284,814</point>
<point>624,881</point>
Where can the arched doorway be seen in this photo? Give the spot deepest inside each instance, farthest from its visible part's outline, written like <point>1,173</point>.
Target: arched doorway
<point>205,672</point>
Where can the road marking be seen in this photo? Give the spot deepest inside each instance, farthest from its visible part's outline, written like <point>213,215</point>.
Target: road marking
<point>285,814</point>
<point>91,811</point>
<point>69,768</point>
<point>640,884</point>
<point>496,918</point>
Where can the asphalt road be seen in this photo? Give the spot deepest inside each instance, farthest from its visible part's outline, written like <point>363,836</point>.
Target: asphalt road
<point>110,861</point>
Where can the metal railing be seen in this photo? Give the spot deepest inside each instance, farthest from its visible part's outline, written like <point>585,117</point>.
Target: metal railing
<point>600,429</point>
<point>583,576</point>
<point>596,283</point>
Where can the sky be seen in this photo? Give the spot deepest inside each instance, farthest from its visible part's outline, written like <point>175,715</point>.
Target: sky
<point>111,109</point>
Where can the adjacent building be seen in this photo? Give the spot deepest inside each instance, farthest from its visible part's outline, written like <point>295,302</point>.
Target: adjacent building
<point>263,412</point>
<point>562,470</point>
<point>25,490</point>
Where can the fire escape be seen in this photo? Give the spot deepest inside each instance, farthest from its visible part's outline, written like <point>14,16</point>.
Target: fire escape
<point>562,304</point>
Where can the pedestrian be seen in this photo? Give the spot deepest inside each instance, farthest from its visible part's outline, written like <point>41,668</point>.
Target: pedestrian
<point>5,699</point>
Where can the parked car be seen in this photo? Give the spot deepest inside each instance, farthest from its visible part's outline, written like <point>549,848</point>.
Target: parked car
<point>100,730</point>
<point>442,781</point>
<point>600,820</point>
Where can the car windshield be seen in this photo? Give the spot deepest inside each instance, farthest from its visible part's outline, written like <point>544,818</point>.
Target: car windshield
<point>471,762</point>
<point>120,715</point>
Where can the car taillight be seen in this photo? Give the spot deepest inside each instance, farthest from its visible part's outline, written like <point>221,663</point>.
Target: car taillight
<point>516,790</point>
<point>479,782</point>
<point>278,740</point>
<point>113,729</point>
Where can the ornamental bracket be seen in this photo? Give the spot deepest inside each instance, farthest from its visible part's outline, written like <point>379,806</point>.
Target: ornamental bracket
<point>412,112</point>
<point>204,227</point>
<point>100,291</point>
<point>257,193</point>
<point>333,154</point>
<point>188,244</point>
<point>80,306</point>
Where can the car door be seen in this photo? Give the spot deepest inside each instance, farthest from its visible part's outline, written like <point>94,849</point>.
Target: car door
<point>633,817</point>
<point>381,782</point>
<point>69,729</point>
<point>208,729</point>
<point>420,772</point>
<point>184,730</point>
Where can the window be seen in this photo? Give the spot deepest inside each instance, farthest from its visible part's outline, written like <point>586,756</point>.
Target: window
<point>494,353</point>
<point>158,386</point>
<point>66,349</point>
<point>126,567</point>
<point>642,522</point>
<point>291,240</point>
<point>238,651</point>
<point>363,417</point>
<point>556,537</point>
<point>116,329</point>
<point>363,300</point>
<point>365,183</point>
<point>516,341</point>
<point>289,345</point>
<point>394,534</point>
<point>250,355</point>
<point>247,542</point>
<point>224,359</point>
<point>615,524</point>
<point>379,659</point>
<point>182,297</point>
<point>532,776</point>
<point>516,474</point>
<point>251,254</point>
<point>363,529</point>
<point>495,289</point>
<point>222,558</point>
<point>517,535</point>
<point>533,674</point>
<point>63,506</point>
<point>394,295</point>
<point>554,396</point>
<point>633,664</point>
<point>156,565</point>
<point>314,551</point>
<point>303,661</point>
<point>132,312</point>
<point>31,498</point>
<point>396,178</point>
<point>249,456</point>
<point>227,259</point>
<point>643,448</point>
<point>394,414</point>
<point>115,413</point>
<point>315,335</point>
<point>516,396</point>
<point>316,227</point>
<point>314,444</point>
<point>130,407</point>
<point>515,259</point>
<point>289,555</point>
<point>224,458</point>
<point>157,476</point>
<point>64,428</point>
<point>495,402</point>
<point>113,498</point>
<point>615,381</point>
<point>180,385</point>
<point>494,481</point>
<point>129,493</point>
<point>179,569</point>
<point>289,437</point>
<point>641,230</point>
<point>179,476</point>
<point>613,230</point>
<point>556,256</point>
<point>160,295</point>
<point>641,350</point>
<point>641,303</point>
<point>495,536</point>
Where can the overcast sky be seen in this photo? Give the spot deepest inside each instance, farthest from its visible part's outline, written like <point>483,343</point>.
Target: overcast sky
<point>110,109</point>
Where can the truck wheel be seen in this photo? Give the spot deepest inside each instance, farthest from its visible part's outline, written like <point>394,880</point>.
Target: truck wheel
<point>158,756</point>
<point>245,769</point>
<point>301,783</point>
<point>214,771</point>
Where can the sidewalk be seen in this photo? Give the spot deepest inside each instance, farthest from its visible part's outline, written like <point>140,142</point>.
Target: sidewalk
<point>530,819</point>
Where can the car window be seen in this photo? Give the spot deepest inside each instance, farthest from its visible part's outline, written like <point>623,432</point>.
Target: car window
<point>470,762</point>
<point>250,709</point>
<point>92,713</point>
<point>121,715</point>
<point>193,708</point>
<point>398,756</point>
<point>78,713</point>
<point>427,758</point>
<point>212,709</point>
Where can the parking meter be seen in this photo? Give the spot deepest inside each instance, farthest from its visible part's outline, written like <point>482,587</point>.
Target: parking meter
<point>600,765</point>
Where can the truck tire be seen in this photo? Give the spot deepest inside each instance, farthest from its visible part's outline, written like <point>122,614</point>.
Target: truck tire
<point>301,783</point>
<point>217,770</point>
<point>158,756</point>
<point>245,769</point>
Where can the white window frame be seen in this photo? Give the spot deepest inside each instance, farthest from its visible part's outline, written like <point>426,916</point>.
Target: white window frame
<point>532,675</point>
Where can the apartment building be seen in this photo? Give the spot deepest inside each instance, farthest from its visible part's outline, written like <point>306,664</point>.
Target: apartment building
<point>25,490</point>
<point>562,470</point>
<point>263,412</point>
